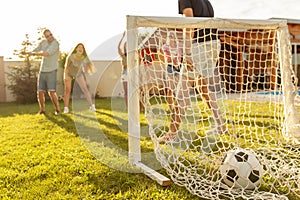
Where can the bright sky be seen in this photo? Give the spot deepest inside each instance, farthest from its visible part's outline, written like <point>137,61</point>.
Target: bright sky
<point>95,21</point>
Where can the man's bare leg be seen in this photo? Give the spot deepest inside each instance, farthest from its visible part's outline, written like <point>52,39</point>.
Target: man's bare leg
<point>211,101</point>
<point>41,100</point>
<point>54,100</point>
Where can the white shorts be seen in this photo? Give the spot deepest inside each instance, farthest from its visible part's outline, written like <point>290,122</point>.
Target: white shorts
<point>205,56</point>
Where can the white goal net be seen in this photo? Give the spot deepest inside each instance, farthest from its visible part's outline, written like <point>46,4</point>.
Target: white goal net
<point>211,89</point>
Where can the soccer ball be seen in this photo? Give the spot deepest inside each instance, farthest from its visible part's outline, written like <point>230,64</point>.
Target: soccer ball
<point>240,168</point>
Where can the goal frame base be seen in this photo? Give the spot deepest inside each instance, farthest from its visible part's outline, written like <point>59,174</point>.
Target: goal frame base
<point>159,178</point>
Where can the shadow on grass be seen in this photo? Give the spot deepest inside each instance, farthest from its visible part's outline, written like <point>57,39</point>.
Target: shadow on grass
<point>11,109</point>
<point>107,142</point>
<point>103,133</point>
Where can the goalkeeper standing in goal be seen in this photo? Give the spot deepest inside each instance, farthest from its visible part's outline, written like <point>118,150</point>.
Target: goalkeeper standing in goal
<point>202,52</point>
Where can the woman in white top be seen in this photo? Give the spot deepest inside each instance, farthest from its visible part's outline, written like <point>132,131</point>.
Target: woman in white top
<point>77,66</point>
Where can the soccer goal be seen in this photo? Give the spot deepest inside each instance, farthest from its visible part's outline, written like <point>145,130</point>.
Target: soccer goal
<point>211,88</point>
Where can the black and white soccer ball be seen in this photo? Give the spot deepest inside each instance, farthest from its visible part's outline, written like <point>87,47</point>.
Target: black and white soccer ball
<point>240,168</point>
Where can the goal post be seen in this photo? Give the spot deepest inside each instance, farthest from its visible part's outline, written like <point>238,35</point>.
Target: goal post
<point>134,135</point>
<point>291,124</point>
<point>231,85</point>
<point>133,106</point>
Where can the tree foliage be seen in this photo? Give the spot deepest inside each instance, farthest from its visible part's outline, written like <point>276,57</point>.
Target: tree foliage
<point>23,78</point>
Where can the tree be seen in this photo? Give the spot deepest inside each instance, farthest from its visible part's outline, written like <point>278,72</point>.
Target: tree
<point>23,78</point>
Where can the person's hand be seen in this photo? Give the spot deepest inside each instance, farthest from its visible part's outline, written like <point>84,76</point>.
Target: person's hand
<point>189,59</point>
<point>189,63</point>
<point>27,53</point>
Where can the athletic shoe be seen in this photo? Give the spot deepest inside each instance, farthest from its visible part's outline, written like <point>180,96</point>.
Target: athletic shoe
<point>66,110</point>
<point>92,108</point>
<point>57,112</point>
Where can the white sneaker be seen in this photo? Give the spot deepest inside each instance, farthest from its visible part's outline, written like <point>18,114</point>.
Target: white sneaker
<point>216,131</point>
<point>66,110</point>
<point>92,108</point>
<point>211,132</point>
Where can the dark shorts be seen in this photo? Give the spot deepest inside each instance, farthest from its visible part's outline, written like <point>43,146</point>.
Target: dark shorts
<point>172,70</point>
<point>47,81</point>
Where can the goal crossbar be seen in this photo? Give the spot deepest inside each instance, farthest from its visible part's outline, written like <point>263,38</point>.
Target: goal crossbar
<point>182,22</point>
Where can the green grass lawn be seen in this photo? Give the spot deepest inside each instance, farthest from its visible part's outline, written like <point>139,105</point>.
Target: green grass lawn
<point>84,155</point>
<point>69,156</point>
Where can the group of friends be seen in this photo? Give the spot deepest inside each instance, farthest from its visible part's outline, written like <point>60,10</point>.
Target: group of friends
<point>201,52</point>
<point>77,66</point>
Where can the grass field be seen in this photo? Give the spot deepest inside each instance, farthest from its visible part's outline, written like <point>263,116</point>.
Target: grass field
<point>43,157</point>
<point>80,155</point>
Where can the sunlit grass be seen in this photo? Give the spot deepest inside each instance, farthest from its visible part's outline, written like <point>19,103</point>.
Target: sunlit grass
<point>43,157</point>
<point>84,155</point>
